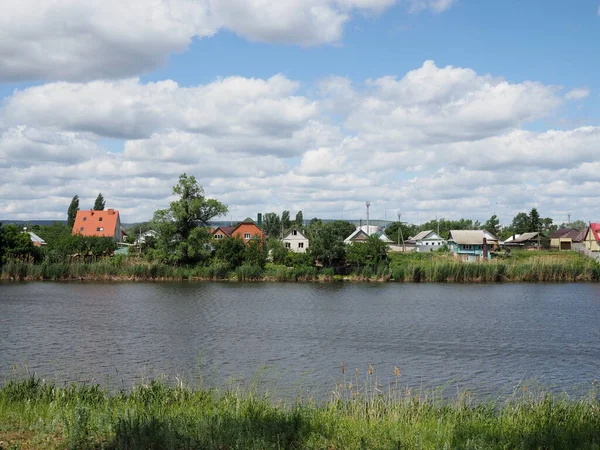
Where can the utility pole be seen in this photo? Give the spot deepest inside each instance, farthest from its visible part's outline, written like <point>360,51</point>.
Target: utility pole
<point>569,216</point>
<point>368,203</point>
<point>400,233</point>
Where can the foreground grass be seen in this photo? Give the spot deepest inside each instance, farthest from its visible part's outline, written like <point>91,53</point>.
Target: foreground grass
<point>34,414</point>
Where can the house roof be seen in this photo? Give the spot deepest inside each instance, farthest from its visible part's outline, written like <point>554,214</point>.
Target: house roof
<point>561,232</point>
<point>521,238</point>
<point>595,229</point>
<point>467,237</point>
<point>295,229</point>
<point>96,223</point>
<point>363,233</point>
<point>227,231</point>
<point>355,235</point>
<point>424,234</point>
<point>36,239</point>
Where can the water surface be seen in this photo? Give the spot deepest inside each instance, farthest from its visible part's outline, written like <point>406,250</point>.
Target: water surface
<point>483,337</point>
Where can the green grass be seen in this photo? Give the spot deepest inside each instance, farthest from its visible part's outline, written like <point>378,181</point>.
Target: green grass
<point>35,414</point>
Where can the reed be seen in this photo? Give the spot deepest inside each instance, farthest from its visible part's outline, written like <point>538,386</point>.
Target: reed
<point>360,413</point>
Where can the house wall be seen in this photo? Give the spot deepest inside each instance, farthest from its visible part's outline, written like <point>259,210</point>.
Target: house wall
<point>429,245</point>
<point>295,241</point>
<point>249,228</point>
<point>468,252</point>
<point>591,243</point>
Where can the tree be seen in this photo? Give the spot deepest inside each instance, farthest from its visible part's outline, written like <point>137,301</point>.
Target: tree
<point>520,223</point>
<point>343,228</point>
<point>271,225</point>
<point>277,250</point>
<point>576,225</point>
<point>492,225</point>
<point>231,251</point>
<point>368,253</point>
<point>176,224</point>
<point>99,203</point>
<point>72,211</point>
<point>17,244</point>
<point>286,223</point>
<point>299,219</point>
<point>327,244</point>
<point>256,253</point>
<point>534,221</point>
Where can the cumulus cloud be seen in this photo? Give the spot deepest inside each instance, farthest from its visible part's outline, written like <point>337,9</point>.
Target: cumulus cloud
<point>436,140</point>
<point>95,39</point>
<point>577,94</point>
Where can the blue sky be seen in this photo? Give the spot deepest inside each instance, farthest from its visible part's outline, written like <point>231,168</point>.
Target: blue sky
<point>505,111</point>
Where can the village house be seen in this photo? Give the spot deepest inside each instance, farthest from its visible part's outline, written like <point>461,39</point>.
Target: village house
<point>564,238</point>
<point>36,240</point>
<point>525,241</point>
<point>427,241</point>
<point>592,237</point>
<point>362,233</point>
<point>245,230</point>
<point>295,240</point>
<point>100,224</point>
<point>150,234</point>
<point>471,245</point>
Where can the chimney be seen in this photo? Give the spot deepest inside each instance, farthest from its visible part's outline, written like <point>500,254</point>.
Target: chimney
<point>259,220</point>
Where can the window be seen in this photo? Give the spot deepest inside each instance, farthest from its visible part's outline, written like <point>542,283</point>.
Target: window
<point>218,236</point>
<point>246,235</point>
<point>294,233</point>
<point>100,229</point>
<point>84,219</point>
<point>300,244</point>
<point>81,229</point>
<point>99,219</point>
<point>288,245</point>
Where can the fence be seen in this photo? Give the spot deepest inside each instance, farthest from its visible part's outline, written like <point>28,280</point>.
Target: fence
<point>584,251</point>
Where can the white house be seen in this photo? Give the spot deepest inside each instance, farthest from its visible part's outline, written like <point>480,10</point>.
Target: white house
<point>428,241</point>
<point>141,239</point>
<point>295,241</point>
<point>362,233</point>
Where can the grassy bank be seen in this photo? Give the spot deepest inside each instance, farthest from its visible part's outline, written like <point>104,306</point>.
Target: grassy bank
<point>34,414</point>
<point>435,267</point>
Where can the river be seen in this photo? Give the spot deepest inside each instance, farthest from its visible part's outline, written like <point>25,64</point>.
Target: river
<point>294,337</point>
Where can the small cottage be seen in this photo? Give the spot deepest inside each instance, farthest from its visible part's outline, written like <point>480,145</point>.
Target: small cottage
<point>470,245</point>
<point>427,241</point>
<point>295,240</point>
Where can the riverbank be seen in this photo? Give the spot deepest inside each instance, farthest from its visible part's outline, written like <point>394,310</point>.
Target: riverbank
<point>438,268</point>
<point>35,414</point>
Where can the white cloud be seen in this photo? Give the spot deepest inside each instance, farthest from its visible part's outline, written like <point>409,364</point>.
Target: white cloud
<point>444,141</point>
<point>95,39</point>
<point>436,6</point>
<point>577,94</point>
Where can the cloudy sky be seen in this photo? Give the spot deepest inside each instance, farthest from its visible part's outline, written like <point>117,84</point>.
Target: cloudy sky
<point>454,108</point>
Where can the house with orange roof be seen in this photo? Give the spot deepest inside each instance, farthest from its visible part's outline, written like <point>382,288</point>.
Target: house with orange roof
<point>99,223</point>
<point>245,230</point>
<point>592,238</point>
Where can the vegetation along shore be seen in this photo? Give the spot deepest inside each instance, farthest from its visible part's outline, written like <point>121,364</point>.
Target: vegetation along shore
<point>358,415</point>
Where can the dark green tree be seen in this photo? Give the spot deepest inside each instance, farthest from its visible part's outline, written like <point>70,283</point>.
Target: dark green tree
<point>272,225</point>
<point>99,204</point>
<point>327,244</point>
<point>368,253</point>
<point>277,250</point>
<point>72,211</point>
<point>231,251</point>
<point>535,223</point>
<point>299,219</point>
<point>176,224</point>
<point>492,225</point>
<point>256,253</point>
<point>17,244</point>
<point>286,223</point>
<point>343,228</point>
<point>520,223</point>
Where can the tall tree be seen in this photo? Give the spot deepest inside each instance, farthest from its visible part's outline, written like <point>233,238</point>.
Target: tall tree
<point>299,219</point>
<point>492,225</point>
<point>99,204</point>
<point>178,238</point>
<point>272,225</point>
<point>534,220</point>
<point>326,243</point>
<point>72,211</point>
<point>520,223</point>
<point>286,223</point>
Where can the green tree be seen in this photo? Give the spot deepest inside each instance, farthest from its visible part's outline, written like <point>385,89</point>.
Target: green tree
<point>343,228</point>
<point>99,204</point>
<point>176,224</point>
<point>577,225</point>
<point>72,211</point>
<point>492,225</point>
<point>535,223</point>
<point>520,223</point>
<point>256,253</point>
<point>231,251</point>
<point>17,244</point>
<point>368,253</point>
<point>299,219</point>
<point>272,225</point>
<point>277,250</point>
<point>327,244</point>
<point>286,223</point>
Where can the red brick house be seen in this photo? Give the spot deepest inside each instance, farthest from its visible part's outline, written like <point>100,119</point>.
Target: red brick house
<point>245,230</point>
<point>99,223</point>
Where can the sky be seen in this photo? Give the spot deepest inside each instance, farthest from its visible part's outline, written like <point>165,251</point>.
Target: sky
<point>428,108</point>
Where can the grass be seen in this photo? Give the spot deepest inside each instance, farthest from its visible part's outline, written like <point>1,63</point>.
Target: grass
<point>359,415</point>
<point>521,266</point>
